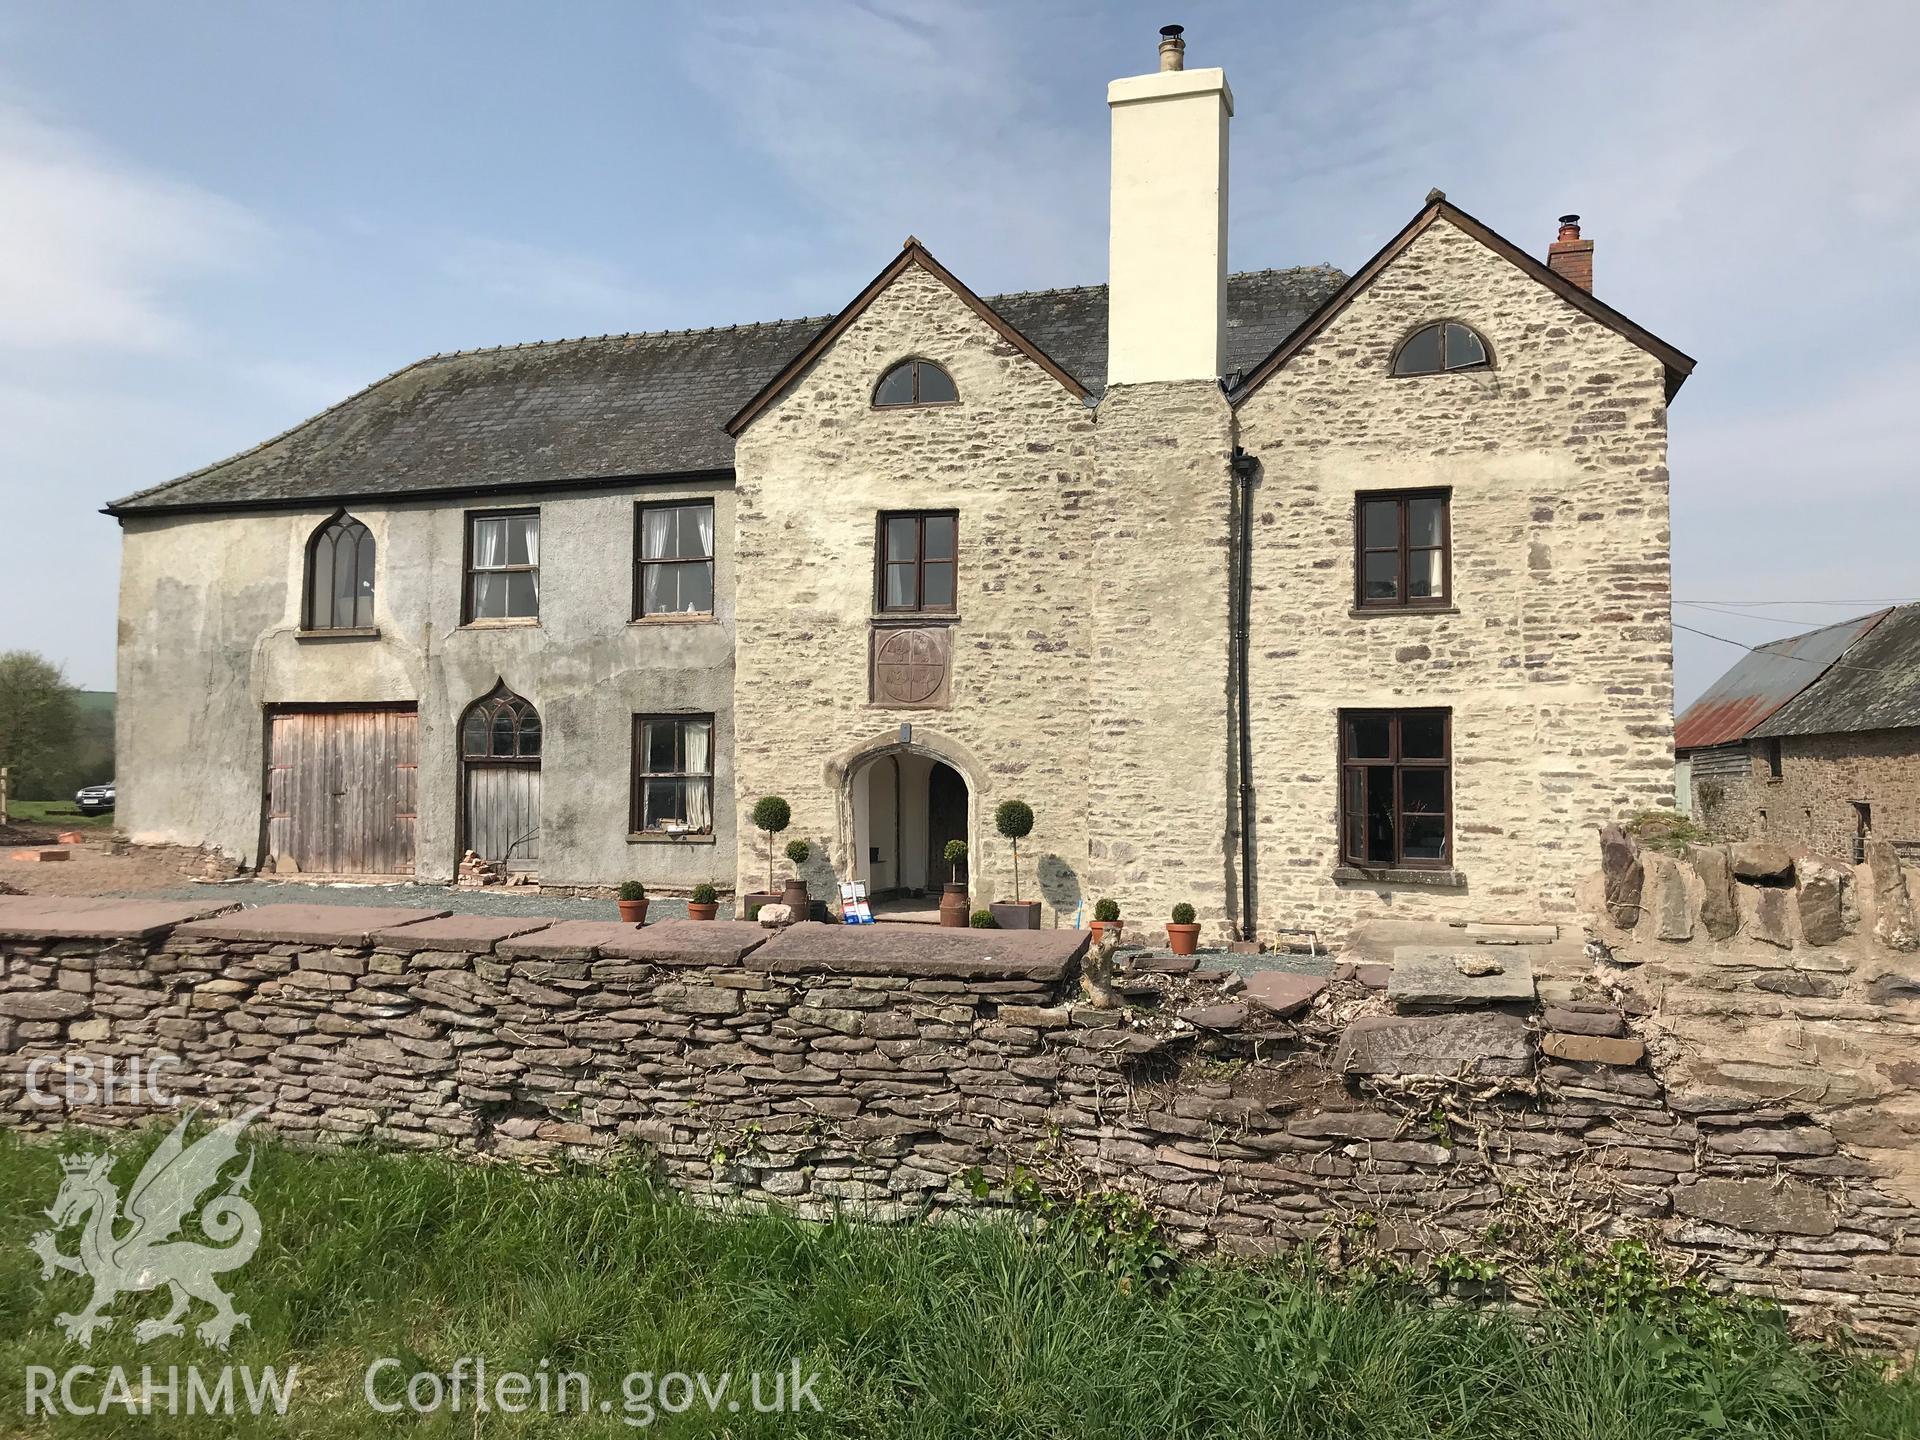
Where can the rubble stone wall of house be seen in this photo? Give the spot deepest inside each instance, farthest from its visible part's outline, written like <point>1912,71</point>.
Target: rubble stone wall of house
<point>1812,804</point>
<point>1555,653</point>
<point>815,470</point>
<point>893,1073</point>
<point>1161,772</point>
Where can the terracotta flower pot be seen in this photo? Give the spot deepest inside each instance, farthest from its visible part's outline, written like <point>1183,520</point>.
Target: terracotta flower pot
<point>1183,939</point>
<point>1016,914</point>
<point>953,906</point>
<point>1103,928</point>
<point>633,912</point>
<point>697,911</point>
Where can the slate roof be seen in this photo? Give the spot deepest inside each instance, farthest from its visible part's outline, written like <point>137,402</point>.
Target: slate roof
<point>623,407</point>
<point>1861,674</point>
<point>1874,686</point>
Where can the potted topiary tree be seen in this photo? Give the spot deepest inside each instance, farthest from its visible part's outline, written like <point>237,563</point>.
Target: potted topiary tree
<point>633,902</point>
<point>953,894</point>
<point>1014,820</point>
<point>1106,920</point>
<point>705,903</point>
<point>794,897</point>
<point>771,815</point>
<point>1183,936</point>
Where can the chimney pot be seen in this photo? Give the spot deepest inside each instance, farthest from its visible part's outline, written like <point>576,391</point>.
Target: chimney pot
<point>1173,50</point>
<point>1571,257</point>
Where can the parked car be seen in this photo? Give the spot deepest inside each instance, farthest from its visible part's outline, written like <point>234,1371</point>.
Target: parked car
<point>94,799</point>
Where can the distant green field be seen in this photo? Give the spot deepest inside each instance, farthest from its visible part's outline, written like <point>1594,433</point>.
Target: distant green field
<point>56,812</point>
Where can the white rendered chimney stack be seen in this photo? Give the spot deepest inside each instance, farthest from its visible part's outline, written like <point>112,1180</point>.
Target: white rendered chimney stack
<point>1167,243</point>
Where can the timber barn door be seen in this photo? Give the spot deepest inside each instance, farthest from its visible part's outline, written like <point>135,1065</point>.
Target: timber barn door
<point>340,791</point>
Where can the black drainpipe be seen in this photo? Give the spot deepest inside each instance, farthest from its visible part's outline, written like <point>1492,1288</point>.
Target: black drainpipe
<point>1244,466</point>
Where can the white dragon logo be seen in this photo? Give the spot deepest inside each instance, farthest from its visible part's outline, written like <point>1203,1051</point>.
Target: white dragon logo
<point>147,1256</point>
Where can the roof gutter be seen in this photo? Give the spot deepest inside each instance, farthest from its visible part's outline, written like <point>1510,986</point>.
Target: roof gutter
<point>123,511</point>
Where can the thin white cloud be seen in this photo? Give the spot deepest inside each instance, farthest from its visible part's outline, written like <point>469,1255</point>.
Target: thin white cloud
<point>890,118</point>
<point>92,247</point>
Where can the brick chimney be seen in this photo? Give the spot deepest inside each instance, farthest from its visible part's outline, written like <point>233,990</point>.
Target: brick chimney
<point>1570,256</point>
<point>1167,243</point>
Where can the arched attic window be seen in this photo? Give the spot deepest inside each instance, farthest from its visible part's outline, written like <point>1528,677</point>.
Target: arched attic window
<point>340,576</point>
<point>1443,346</point>
<point>915,382</point>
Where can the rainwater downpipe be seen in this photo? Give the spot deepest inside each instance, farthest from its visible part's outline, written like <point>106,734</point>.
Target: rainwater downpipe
<point>1244,467</point>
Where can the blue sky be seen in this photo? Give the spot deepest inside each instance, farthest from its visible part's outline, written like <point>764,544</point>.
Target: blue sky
<point>216,219</point>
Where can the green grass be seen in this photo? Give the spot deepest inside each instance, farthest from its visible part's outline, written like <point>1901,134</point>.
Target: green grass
<point>60,813</point>
<point>917,1331</point>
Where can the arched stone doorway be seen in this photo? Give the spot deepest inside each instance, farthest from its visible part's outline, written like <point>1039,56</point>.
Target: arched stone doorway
<point>500,744</point>
<point>901,801</point>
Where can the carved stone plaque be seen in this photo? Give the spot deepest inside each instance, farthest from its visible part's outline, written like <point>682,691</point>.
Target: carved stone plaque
<point>912,665</point>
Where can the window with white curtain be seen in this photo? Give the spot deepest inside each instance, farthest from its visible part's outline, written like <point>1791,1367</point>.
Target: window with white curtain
<point>503,565</point>
<point>672,774</point>
<point>674,560</point>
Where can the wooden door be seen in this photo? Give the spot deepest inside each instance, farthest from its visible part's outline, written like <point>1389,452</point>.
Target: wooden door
<point>946,820</point>
<point>503,813</point>
<point>340,791</point>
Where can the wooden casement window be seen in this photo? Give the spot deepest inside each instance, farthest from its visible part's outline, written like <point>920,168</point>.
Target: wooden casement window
<point>672,774</point>
<point>673,564</point>
<point>340,576</point>
<point>1770,753</point>
<point>503,565</point>
<point>919,558</point>
<point>1403,550</point>
<point>1396,788</point>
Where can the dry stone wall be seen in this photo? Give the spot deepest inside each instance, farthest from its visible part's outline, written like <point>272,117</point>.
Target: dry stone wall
<point>1403,1113</point>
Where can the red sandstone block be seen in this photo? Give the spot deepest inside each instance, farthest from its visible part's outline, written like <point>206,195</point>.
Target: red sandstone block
<point>45,855</point>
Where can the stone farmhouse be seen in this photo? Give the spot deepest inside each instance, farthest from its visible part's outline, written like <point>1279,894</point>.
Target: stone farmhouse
<point>1814,741</point>
<point>1300,596</point>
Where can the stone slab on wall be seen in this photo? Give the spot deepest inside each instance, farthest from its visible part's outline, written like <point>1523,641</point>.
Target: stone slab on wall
<point>824,1069</point>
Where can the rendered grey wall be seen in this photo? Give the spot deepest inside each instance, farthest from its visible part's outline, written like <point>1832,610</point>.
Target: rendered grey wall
<point>209,622</point>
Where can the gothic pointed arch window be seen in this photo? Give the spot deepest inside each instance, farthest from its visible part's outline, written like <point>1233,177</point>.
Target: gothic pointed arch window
<point>1442,347</point>
<point>501,726</point>
<point>339,576</point>
<point>915,382</point>
<point>500,744</point>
